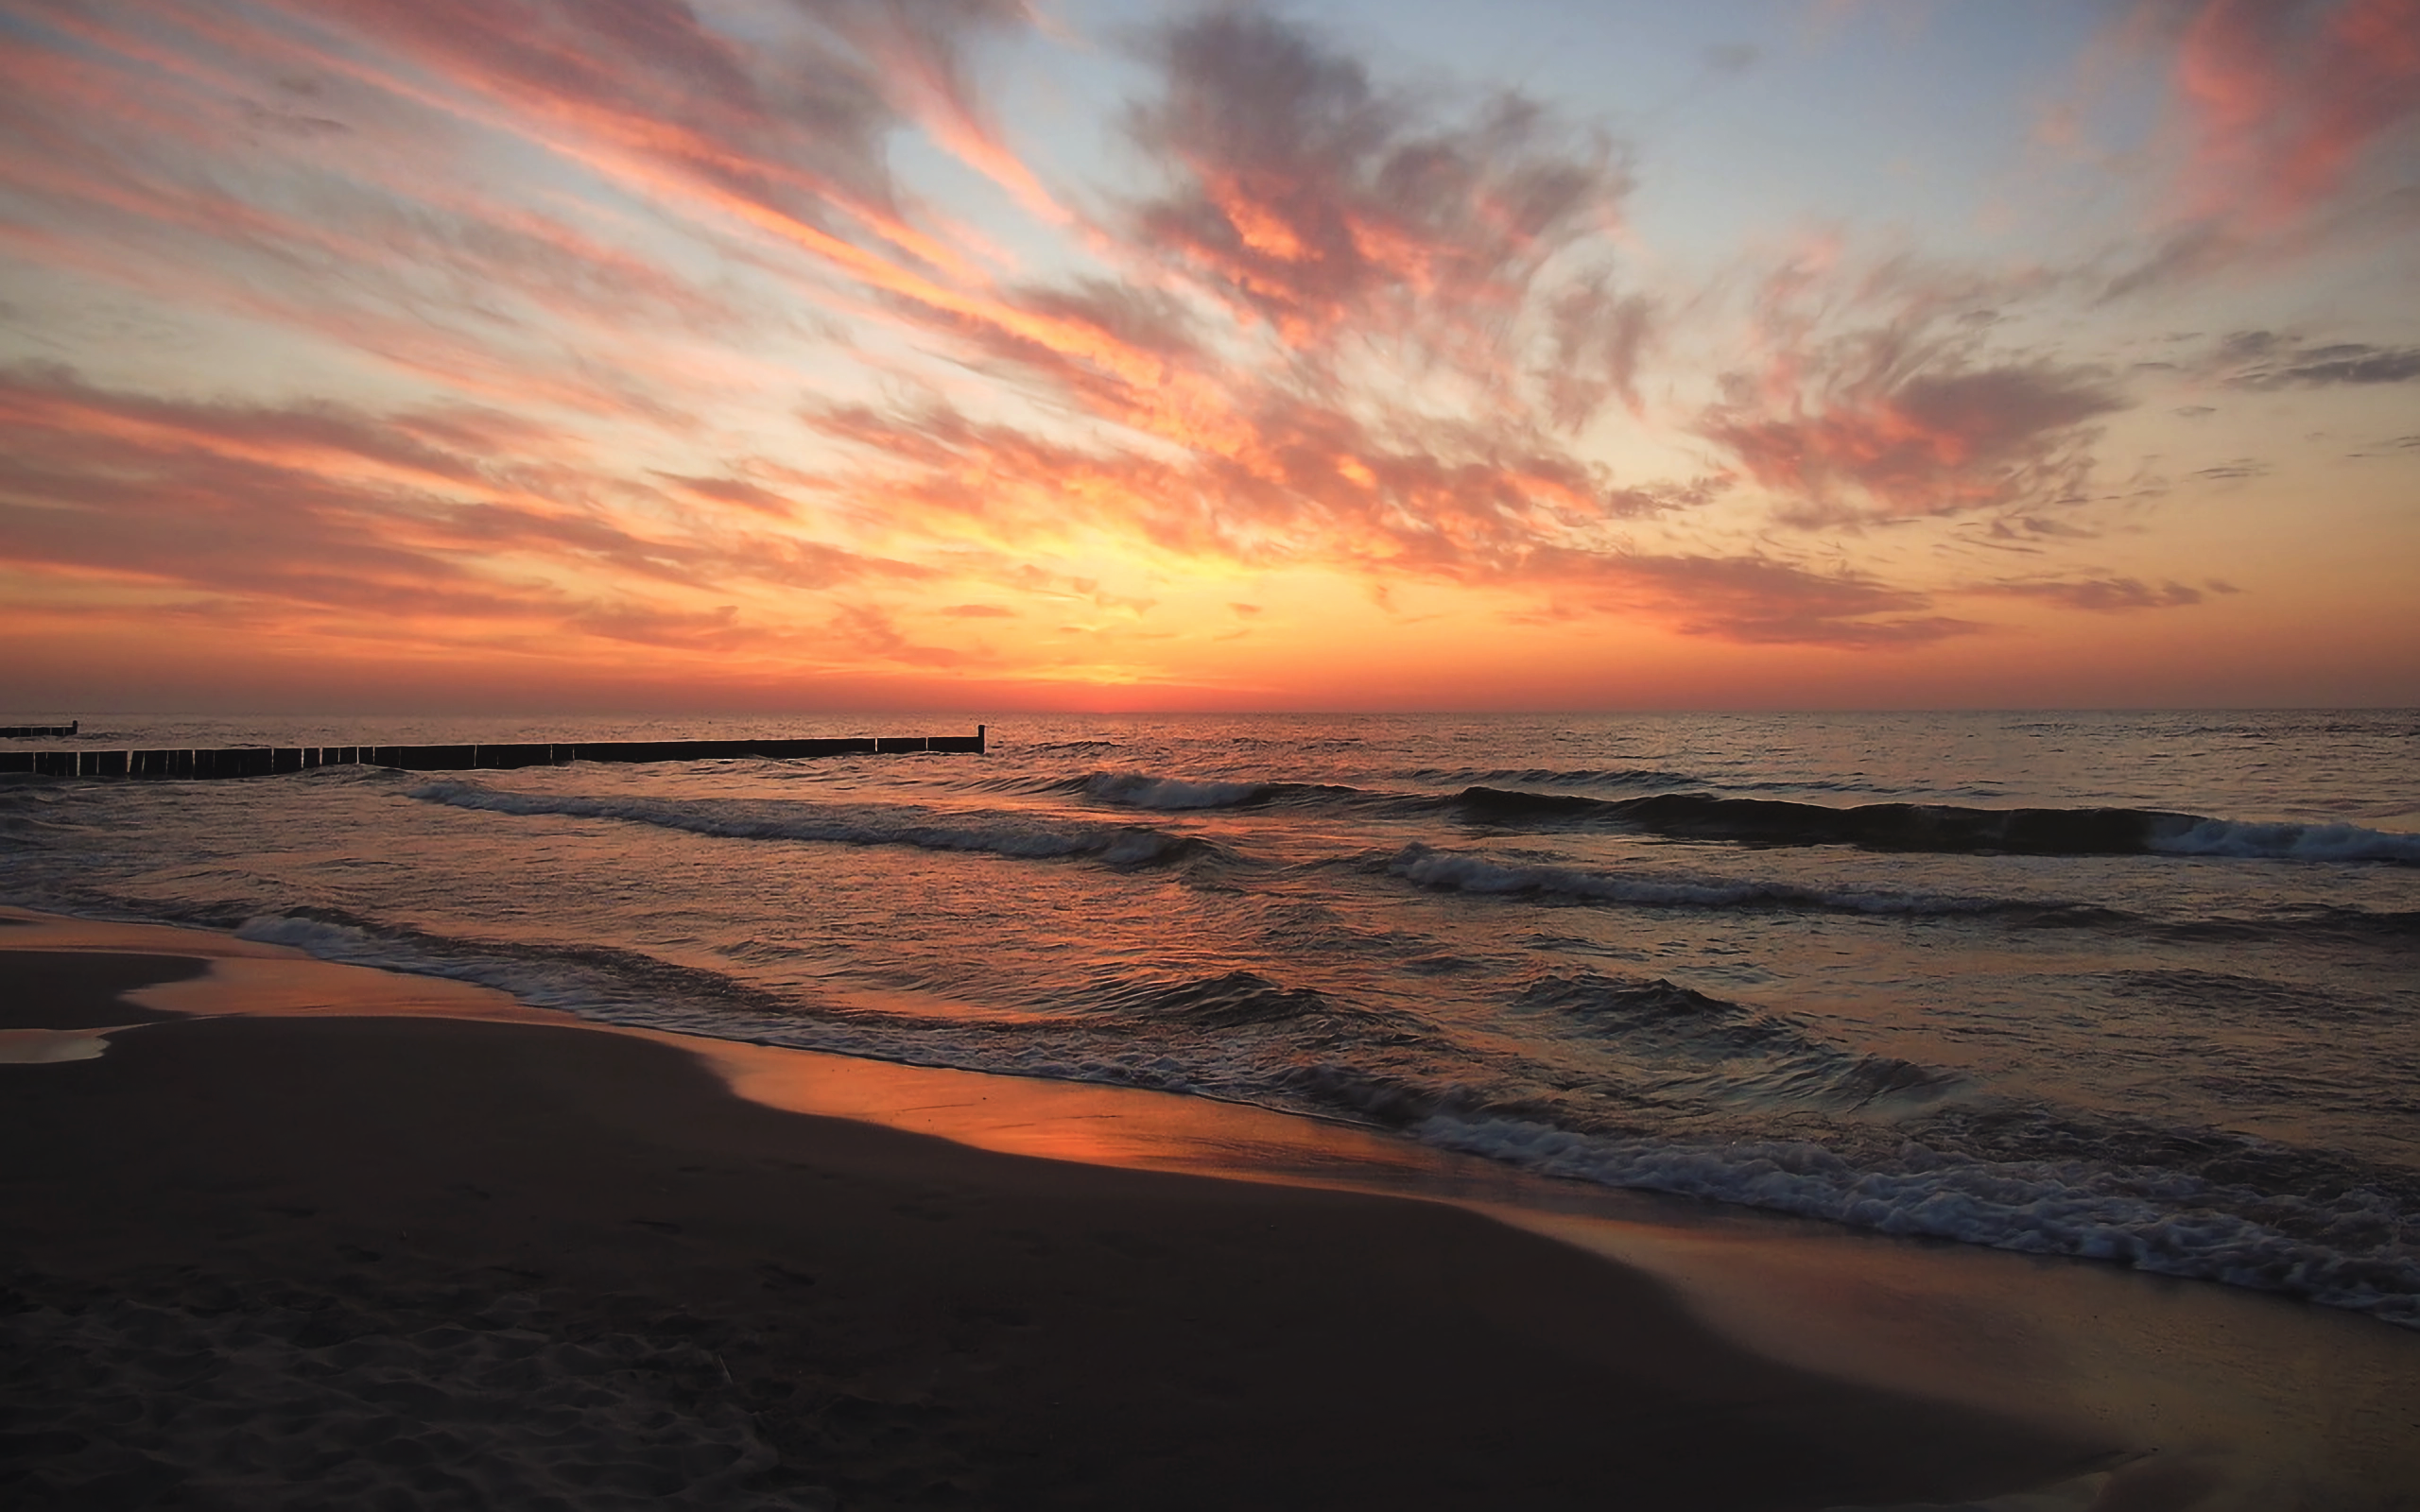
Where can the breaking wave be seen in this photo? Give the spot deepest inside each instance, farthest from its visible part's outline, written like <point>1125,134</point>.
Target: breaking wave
<point>1937,827</point>
<point>1124,845</point>
<point>1230,999</point>
<point>1730,1051</point>
<point>2290,842</point>
<point>1139,790</point>
<point>1551,777</point>
<point>2347,1250</point>
<point>1453,871</point>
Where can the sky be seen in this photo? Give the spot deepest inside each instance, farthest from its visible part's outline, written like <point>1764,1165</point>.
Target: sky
<point>998,355</point>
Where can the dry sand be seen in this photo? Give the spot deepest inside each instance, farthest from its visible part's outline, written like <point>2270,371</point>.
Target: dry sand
<point>310,1260</point>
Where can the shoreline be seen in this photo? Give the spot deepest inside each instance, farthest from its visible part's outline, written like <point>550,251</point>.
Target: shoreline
<point>954,1295</point>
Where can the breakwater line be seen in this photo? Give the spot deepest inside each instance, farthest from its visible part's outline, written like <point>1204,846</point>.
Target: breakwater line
<point>270,761</point>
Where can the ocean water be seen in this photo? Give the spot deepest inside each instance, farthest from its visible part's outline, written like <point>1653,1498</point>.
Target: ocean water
<point>2137,987</point>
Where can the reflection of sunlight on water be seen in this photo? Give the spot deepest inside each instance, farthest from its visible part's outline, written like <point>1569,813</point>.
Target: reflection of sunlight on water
<point>2262,1401</point>
<point>1061,1121</point>
<point>298,985</point>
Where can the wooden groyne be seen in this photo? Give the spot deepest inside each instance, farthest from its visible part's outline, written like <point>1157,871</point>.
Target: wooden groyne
<point>39,731</point>
<point>269,761</point>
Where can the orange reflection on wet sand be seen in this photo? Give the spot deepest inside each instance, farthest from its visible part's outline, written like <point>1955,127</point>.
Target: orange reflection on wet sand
<point>1061,1121</point>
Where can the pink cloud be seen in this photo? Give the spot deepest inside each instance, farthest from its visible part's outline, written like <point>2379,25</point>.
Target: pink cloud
<point>1756,601</point>
<point>783,140</point>
<point>1302,195</point>
<point>1880,396</point>
<point>1935,442</point>
<point>329,510</point>
<point>2288,115</point>
<point>144,163</point>
<point>2284,99</point>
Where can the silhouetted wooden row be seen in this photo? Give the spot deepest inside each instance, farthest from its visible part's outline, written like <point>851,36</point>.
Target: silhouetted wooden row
<point>38,731</point>
<point>268,761</point>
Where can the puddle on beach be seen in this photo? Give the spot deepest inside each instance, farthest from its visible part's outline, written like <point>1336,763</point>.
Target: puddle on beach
<point>42,1047</point>
<point>2239,1400</point>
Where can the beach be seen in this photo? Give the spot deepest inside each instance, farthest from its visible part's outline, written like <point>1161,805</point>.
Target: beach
<point>274,1260</point>
<point>363,1248</point>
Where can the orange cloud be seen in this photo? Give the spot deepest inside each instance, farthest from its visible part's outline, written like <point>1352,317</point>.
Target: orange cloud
<point>1758,602</point>
<point>647,346</point>
<point>1304,195</point>
<point>1943,441</point>
<point>1879,396</point>
<point>334,512</point>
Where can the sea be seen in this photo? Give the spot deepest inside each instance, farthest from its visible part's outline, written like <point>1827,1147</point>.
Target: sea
<point>2138,987</point>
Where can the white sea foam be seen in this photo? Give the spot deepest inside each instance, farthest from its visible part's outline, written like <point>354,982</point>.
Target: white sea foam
<point>2036,1206</point>
<point>2289,842</point>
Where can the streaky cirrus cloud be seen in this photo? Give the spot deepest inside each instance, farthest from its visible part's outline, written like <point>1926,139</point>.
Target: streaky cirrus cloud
<point>798,328</point>
<point>792,127</point>
<point>330,510</point>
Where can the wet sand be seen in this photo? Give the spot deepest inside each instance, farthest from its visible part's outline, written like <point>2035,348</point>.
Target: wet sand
<point>304,1259</point>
